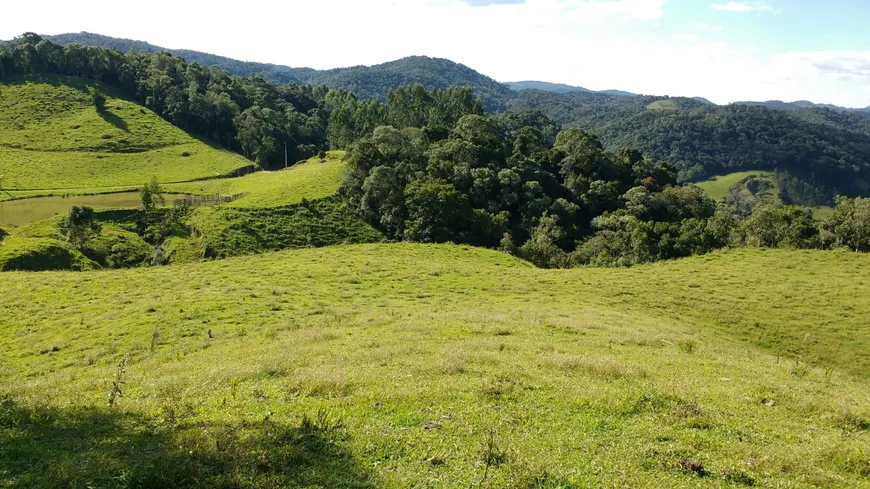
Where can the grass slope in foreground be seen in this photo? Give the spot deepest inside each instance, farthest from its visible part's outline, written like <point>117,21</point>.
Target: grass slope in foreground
<point>52,137</point>
<point>439,366</point>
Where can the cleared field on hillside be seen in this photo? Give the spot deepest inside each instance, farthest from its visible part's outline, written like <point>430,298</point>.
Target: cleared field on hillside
<point>52,137</point>
<point>440,366</point>
<point>310,180</point>
<point>717,187</point>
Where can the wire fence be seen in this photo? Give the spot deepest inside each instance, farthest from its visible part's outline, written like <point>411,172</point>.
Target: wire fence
<point>195,200</point>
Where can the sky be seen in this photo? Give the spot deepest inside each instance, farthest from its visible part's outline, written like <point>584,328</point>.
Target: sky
<point>724,50</point>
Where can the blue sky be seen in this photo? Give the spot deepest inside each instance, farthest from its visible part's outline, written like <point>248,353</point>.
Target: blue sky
<point>725,50</point>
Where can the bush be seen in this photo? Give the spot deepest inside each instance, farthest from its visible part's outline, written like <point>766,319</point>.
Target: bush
<point>99,100</point>
<point>117,248</point>
<point>80,225</point>
<point>3,234</point>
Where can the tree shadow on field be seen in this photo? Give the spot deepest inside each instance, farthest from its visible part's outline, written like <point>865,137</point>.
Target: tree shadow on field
<point>114,120</point>
<point>96,447</point>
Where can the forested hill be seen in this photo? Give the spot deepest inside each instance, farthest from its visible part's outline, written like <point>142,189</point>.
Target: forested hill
<point>364,81</point>
<point>272,72</point>
<point>432,73</point>
<point>545,86</point>
<point>826,151</point>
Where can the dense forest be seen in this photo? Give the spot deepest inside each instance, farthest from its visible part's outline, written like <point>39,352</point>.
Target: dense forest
<point>558,199</point>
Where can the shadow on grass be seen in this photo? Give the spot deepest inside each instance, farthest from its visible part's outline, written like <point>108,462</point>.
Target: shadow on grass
<point>94,447</point>
<point>114,120</point>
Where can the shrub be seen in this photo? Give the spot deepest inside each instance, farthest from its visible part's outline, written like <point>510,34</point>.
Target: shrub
<point>80,225</point>
<point>99,100</point>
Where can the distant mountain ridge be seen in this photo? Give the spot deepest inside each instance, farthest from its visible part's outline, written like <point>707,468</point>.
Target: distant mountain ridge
<point>545,86</point>
<point>374,81</point>
<point>364,81</point>
<point>800,104</point>
<point>561,88</point>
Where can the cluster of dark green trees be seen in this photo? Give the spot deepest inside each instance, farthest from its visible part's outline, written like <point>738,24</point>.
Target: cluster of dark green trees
<point>557,198</point>
<point>518,182</point>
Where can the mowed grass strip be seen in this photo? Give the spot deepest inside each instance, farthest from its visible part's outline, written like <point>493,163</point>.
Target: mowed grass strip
<point>438,366</point>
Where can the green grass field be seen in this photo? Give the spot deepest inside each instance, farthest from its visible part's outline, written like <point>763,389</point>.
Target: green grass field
<point>52,137</point>
<point>25,211</point>
<point>718,187</point>
<point>663,105</point>
<point>407,365</point>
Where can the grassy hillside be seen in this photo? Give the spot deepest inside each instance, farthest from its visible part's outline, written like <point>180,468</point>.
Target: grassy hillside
<point>225,231</point>
<point>39,254</point>
<point>24,211</point>
<point>292,208</point>
<point>52,137</point>
<point>310,180</point>
<point>439,366</point>
<point>719,187</point>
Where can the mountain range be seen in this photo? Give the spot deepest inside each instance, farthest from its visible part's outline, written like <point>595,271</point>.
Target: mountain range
<point>373,81</point>
<point>561,88</point>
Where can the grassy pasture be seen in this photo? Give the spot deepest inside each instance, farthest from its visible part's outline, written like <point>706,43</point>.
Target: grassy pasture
<point>663,105</point>
<point>52,137</point>
<point>311,179</point>
<point>440,366</point>
<point>37,254</point>
<point>57,114</point>
<point>89,171</point>
<point>25,211</point>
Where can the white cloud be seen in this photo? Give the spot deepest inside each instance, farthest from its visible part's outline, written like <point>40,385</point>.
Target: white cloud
<point>684,37</point>
<point>839,65</point>
<point>733,6</point>
<point>708,27</point>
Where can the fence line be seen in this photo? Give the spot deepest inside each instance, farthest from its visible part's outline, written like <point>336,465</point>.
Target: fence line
<point>194,200</point>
